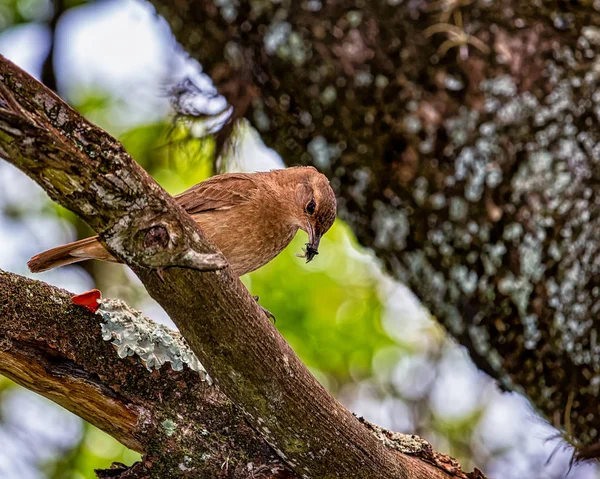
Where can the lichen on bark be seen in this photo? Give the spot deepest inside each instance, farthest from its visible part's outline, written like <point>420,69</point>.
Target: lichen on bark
<point>134,334</point>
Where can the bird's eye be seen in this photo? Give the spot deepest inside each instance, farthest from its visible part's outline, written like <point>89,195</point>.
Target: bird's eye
<point>310,207</point>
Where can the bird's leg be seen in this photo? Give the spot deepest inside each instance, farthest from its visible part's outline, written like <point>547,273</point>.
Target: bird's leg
<point>268,313</point>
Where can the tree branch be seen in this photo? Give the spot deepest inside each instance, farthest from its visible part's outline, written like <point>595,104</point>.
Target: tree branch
<point>86,170</point>
<point>55,349</point>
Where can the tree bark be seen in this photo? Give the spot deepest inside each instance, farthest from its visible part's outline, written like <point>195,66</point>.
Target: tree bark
<point>463,141</point>
<point>86,170</point>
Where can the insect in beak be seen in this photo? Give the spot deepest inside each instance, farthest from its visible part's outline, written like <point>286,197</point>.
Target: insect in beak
<point>312,247</point>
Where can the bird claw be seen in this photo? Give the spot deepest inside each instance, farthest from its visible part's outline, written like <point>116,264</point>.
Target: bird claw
<point>270,316</point>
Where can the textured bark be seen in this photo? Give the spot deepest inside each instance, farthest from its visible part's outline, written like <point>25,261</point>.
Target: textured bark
<point>179,421</point>
<point>466,157</point>
<point>86,170</point>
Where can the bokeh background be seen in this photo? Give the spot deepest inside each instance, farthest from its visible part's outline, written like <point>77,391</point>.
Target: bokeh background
<point>364,336</point>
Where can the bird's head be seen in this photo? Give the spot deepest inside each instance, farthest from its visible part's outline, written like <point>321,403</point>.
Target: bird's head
<point>315,208</point>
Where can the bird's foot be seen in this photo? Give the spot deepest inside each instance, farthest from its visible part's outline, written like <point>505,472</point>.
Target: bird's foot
<point>268,313</point>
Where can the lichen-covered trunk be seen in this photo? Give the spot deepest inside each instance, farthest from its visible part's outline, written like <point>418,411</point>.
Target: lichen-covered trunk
<point>463,140</point>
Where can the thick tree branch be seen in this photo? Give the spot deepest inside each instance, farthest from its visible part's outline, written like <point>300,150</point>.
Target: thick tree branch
<point>462,138</point>
<point>89,172</point>
<point>54,348</point>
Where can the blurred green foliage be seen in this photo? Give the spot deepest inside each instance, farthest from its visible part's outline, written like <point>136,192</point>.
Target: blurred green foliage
<point>458,432</point>
<point>329,310</point>
<point>15,12</point>
<point>170,154</point>
<point>96,450</point>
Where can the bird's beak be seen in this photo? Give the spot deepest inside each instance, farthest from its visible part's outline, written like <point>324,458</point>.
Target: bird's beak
<point>312,247</point>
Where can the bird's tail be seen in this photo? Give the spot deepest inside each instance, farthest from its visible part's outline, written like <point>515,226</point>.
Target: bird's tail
<point>88,248</point>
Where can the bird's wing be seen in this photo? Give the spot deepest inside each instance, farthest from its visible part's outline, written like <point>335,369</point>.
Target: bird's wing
<point>220,192</point>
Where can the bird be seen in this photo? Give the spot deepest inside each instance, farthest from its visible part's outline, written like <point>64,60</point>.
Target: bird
<point>250,217</point>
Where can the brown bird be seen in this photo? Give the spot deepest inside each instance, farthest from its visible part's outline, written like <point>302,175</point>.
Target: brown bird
<point>251,218</point>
